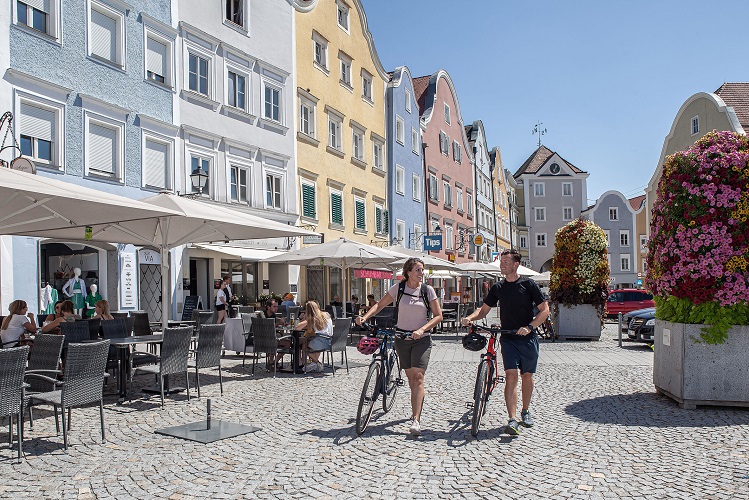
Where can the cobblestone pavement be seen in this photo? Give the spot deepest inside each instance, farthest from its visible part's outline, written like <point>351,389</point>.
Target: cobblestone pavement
<point>601,432</point>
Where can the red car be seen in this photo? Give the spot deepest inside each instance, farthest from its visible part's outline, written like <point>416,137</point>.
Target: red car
<point>626,300</point>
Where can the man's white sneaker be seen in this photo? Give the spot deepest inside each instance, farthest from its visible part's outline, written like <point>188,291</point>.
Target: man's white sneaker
<point>415,428</point>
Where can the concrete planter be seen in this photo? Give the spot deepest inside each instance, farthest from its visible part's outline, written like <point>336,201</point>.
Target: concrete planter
<point>577,322</point>
<point>700,374</point>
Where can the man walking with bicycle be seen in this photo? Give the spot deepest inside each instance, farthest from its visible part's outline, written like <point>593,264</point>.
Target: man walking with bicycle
<point>516,297</point>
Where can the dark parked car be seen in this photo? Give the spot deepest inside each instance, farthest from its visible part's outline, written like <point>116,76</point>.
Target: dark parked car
<point>640,325</point>
<point>626,300</point>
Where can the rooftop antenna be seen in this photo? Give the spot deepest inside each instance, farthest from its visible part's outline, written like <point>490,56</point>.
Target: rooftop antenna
<point>538,129</point>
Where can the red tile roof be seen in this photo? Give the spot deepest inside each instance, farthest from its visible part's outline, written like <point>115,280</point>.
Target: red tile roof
<point>736,95</point>
<point>637,201</point>
<point>420,86</point>
<point>536,160</point>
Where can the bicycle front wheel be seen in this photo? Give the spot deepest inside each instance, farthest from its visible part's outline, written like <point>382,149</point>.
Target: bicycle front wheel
<point>391,385</point>
<point>480,395</point>
<point>369,395</point>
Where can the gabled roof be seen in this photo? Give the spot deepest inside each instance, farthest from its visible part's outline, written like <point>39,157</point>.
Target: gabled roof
<point>736,95</point>
<point>637,201</point>
<point>420,87</point>
<point>539,157</point>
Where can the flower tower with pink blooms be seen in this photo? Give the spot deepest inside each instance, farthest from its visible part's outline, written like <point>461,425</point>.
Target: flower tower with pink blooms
<point>698,270</point>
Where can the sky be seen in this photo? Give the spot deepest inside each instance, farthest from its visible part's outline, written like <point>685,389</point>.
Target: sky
<point>606,78</point>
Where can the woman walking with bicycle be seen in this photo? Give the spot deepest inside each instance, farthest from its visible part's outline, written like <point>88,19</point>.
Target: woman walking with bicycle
<point>414,301</point>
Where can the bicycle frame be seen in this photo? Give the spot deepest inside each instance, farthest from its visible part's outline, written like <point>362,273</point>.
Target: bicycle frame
<point>490,356</point>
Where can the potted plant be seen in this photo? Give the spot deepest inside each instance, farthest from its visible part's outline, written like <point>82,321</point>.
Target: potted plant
<point>579,280</point>
<point>698,256</point>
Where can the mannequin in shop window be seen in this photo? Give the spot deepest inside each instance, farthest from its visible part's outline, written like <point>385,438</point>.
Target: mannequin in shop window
<point>91,300</point>
<point>49,298</point>
<point>75,291</point>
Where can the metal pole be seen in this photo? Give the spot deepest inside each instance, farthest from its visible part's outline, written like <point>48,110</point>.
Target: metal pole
<point>620,329</point>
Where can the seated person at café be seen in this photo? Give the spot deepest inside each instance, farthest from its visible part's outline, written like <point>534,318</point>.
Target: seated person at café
<point>371,302</point>
<point>288,300</point>
<point>270,310</point>
<point>336,302</point>
<point>67,313</point>
<point>102,310</point>
<point>17,324</point>
<point>318,334</point>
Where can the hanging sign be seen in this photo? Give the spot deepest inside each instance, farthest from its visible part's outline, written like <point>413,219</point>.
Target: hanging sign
<point>432,242</point>
<point>89,234</point>
<point>478,239</point>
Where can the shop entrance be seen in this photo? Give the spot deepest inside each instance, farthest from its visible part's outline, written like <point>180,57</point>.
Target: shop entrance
<point>243,282</point>
<point>58,260</point>
<point>200,283</point>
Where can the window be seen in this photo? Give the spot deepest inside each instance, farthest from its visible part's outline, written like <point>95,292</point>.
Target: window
<point>236,90</point>
<point>695,125</point>
<point>434,194</point>
<point>469,203</point>
<point>459,199</point>
<point>377,155</point>
<point>541,240</point>
<point>539,189</point>
<point>613,213</point>
<point>415,140</point>
<point>307,117</point>
<point>320,46</point>
<point>416,187</point>
<point>540,213</point>
<point>444,143</point>
<point>448,193</point>
<point>157,170</point>
<point>343,16</point>
<point>400,232</point>
<point>417,238</point>
<point>273,191</point>
<point>624,260</point>
<point>334,132</point>
<point>523,242</point>
<point>643,243</point>
<point>105,34</point>
<point>566,213</point>
<point>33,14</point>
<point>336,208</point>
<point>408,101</point>
<point>37,136</point>
<point>457,152</point>
<point>198,74</point>
<point>447,113</point>
<point>566,189</point>
<point>382,221</point>
<point>238,182</point>
<point>366,86</point>
<point>449,238</point>
<point>309,200</point>
<point>158,61</point>
<point>204,163</point>
<point>235,12</point>
<point>361,214</point>
<point>358,144</point>
<point>399,132</point>
<point>400,179</point>
<point>104,147</point>
<point>345,62</point>
<point>608,238</point>
<point>272,107</point>
<point>624,238</point>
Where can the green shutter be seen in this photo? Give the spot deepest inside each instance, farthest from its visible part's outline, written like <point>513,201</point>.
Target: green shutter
<point>386,221</point>
<point>378,220</point>
<point>336,208</point>
<point>308,201</point>
<point>361,223</point>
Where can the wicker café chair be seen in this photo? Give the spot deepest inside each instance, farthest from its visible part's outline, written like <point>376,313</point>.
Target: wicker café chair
<point>45,360</point>
<point>208,353</point>
<point>341,327</point>
<point>12,364</point>
<point>174,351</point>
<point>82,383</point>
<point>264,340</point>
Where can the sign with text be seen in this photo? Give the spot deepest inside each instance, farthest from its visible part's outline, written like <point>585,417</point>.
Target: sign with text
<point>313,240</point>
<point>478,239</point>
<point>432,242</point>
<point>373,274</point>
<point>128,279</point>
<point>148,256</point>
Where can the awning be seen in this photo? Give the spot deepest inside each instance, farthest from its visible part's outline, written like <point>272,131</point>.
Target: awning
<point>241,253</point>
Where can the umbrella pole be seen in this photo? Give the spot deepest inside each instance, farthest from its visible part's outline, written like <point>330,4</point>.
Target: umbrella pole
<point>166,303</point>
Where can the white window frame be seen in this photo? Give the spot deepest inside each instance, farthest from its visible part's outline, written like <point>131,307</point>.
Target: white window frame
<point>248,90</point>
<point>607,233</point>
<point>281,177</point>
<point>624,240</point>
<point>118,16</point>
<point>400,231</point>
<point>202,154</point>
<point>523,242</point>
<point>539,189</point>
<point>244,27</point>
<point>148,135</point>
<point>643,243</point>
<point>539,214</point>
<point>408,101</point>
<point>269,84</point>
<point>320,40</point>
<point>400,180</point>
<point>367,82</point>
<point>364,218</point>
<point>459,198</point>
<point>313,185</point>
<point>344,65</point>
<point>336,119</point>
<point>449,243</point>
<point>694,125</point>
<point>613,213</point>
<point>567,213</point>
<point>200,52</point>
<point>434,192</point>
<point>357,150</point>
<point>53,28</point>
<point>418,236</point>
<point>312,113</point>
<point>58,137</point>
<point>119,128</point>
<point>541,240</point>
<point>414,141</point>
<point>378,158</point>
<point>457,152</point>
<point>447,113</point>
<point>400,130</point>
<point>239,166</point>
<point>343,11</point>
<point>416,187</point>
<point>448,192</point>
<point>565,191</point>
<point>166,36</point>
<point>469,203</point>
<point>339,193</point>
<point>625,257</point>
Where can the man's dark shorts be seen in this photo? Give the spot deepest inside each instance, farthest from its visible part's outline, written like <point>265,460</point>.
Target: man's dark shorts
<point>520,354</point>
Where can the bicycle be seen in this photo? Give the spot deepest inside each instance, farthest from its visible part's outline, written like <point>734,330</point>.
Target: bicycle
<point>546,330</point>
<point>487,376</point>
<point>383,377</point>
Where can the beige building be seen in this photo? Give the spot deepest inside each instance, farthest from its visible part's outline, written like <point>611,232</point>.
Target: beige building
<point>638,205</point>
<point>340,130</point>
<point>501,201</point>
<point>726,109</point>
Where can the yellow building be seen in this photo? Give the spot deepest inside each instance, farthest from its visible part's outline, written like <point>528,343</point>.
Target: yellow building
<point>501,201</point>
<point>341,141</point>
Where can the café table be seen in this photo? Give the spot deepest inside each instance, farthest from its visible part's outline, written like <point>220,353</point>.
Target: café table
<point>296,335</point>
<point>234,339</point>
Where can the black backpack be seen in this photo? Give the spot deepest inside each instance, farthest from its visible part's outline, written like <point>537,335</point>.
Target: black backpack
<point>401,291</point>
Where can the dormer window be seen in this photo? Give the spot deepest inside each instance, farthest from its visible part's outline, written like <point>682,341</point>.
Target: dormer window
<point>343,11</point>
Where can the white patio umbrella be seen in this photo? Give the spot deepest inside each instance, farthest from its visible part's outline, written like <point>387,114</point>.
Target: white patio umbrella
<point>525,271</point>
<point>183,220</point>
<point>341,253</point>
<point>430,261</point>
<point>545,276</point>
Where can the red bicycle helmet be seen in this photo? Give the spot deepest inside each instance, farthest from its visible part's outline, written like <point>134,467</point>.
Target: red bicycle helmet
<point>368,345</point>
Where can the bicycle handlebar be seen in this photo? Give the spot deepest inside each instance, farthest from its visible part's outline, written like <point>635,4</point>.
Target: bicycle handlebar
<point>386,332</point>
<point>492,330</point>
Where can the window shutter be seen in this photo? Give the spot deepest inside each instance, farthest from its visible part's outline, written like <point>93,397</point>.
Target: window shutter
<point>308,201</point>
<point>336,208</point>
<point>360,222</point>
<point>378,220</point>
<point>101,149</point>
<point>386,221</point>
<point>156,57</point>
<point>103,36</point>
<point>37,122</point>
<point>156,164</point>
<point>42,5</point>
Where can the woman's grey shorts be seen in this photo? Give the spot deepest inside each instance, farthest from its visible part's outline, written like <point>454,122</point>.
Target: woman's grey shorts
<point>414,353</point>
<point>319,343</point>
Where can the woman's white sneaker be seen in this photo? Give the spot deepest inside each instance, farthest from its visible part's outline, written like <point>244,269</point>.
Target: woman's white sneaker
<point>415,428</point>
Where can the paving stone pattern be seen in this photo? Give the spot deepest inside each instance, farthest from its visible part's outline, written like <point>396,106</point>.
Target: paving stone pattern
<point>601,432</point>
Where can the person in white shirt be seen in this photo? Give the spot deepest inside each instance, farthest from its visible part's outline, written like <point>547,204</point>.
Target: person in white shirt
<point>15,325</point>
<point>318,334</point>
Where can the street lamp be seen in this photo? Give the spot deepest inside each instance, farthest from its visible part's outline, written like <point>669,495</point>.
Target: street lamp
<point>198,178</point>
